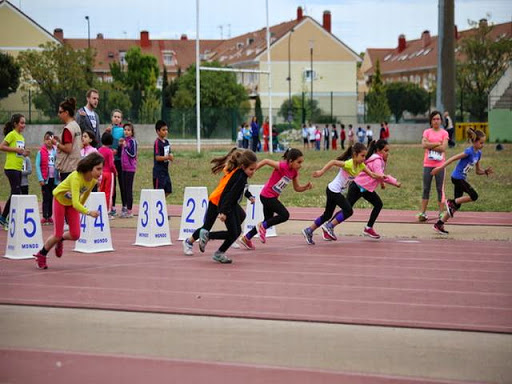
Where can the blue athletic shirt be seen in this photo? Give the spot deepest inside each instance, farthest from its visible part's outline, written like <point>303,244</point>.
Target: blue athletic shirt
<point>466,164</point>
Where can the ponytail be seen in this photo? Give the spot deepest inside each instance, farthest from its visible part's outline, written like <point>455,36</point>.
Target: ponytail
<point>474,134</point>
<point>350,151</point>
<point>292,154</point>
<point>9,126</point>
<point>220,162</point>
<point>375,146</point>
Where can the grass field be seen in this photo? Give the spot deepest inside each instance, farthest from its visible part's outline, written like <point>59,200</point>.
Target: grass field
<point>405,163</point>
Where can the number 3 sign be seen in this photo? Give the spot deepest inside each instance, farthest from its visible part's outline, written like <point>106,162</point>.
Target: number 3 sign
<point>153,224</point>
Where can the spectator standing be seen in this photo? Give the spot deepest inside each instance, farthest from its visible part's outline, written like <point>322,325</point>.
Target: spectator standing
<point>350,136</point>
<point>305,136</point>
<point>255,134</point>
<point>247,136</point>
<point>87,118</point>
<point>266,135</point>
<point>25,172</point>
<point>334,134</point>
<point>312,135</point>
<point>47,175</point>
<point>448,125</point>
<point>327,137</point>
<point>369,134</point>
<point>69,142</point>
<point>361,135</point>
<point>343,136</point>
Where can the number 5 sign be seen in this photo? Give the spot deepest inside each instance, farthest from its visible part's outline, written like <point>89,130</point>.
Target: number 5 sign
<point>25,237</point>
<point>153,224</point>
<point>195,203</point>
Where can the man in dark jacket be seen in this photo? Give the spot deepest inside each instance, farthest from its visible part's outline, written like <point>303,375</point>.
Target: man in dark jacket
<point>87,118</point>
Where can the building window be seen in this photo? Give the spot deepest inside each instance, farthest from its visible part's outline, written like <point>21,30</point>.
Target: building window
<point>159,82</point>
<point>309,75</point>
<point>169,58</point>
<point>122,55</point>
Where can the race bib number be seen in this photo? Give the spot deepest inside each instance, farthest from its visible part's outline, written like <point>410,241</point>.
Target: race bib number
<point>20,144</point>
<point>434,155</point>
<point>467,169</point>
<point>51,161</point>
<point>281,184</point>
<point>167,150</point>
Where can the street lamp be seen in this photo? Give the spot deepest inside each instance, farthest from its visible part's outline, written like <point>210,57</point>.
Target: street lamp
<point>88,32</point>
<point>311,46</point>
<point>289,81</point>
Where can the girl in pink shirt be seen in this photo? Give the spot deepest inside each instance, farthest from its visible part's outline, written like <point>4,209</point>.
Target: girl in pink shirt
<point>434,142</point>
<point>109,169</point>
<point>285,172</point>
<point>364,186</point>
<point>88,143</point>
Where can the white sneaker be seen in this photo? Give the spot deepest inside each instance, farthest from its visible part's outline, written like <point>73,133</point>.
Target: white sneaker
<point>235,245</point>
<point>187,248</point>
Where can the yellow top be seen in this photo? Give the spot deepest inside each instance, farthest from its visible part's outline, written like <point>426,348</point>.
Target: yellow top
<point>74,191</point>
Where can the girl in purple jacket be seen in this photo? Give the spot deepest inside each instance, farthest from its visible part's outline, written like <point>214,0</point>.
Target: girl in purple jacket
<point>128,148</point>
<point>364,186</point>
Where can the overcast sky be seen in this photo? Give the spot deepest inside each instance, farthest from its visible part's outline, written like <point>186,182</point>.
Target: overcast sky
<point>360,24</point>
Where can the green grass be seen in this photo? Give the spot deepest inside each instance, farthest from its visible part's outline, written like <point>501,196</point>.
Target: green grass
<point>405,163</point>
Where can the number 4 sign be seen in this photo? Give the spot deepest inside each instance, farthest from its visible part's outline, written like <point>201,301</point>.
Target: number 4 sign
<point>95,232</point>
<point>25,237</point>
<point>195,203</point>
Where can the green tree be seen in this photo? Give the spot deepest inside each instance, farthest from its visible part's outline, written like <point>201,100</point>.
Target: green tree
<point>59,71</point>
<point>315,115</point>
<point>151,108</point>
<point>139,78</point>
<point>222,98</point>
<point>484,61</point>
<point>257,110</point>
<point>409,97</point>
<point>376,101</point>
<point>10,72</point>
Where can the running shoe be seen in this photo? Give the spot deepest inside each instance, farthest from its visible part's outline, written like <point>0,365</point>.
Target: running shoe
<point>40,261</point>
<point>59,248</point>
<point>204,236</point>
<point>44,221</point>
<point>450,207</point>
<point>221,258</point>
<point>325,236</point>
<point>247,243</point>
<point>422,216</point>
<point>439,228</point>
<point>50,221</point>
<point>308,235</point>
<point>369,232</point>
<point>3,223</point>
<point>187,248</point>
<point>329,231</point>
<point>262,232</point>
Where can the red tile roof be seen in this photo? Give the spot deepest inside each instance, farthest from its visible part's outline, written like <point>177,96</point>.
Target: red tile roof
<point>417,56</point>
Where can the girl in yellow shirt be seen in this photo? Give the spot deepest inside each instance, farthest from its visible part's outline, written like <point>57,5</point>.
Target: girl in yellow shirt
<point>68,202</point>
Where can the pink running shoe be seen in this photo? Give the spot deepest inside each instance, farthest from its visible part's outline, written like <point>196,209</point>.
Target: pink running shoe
<point>247,243</point>
<point>59,249</point>
<point>328,232</point>
<point>40,261</point>
<point>262,232</point>
<point>369,232</point>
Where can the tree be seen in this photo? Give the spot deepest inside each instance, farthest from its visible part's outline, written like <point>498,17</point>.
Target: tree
<point>139,78</point>
<point>9,75</point>
<point>316,115</point>
<point>59,71</point>
<point>409,97</point>
<point>222,98</point>
<point>376,101</point>
<point>257,110</point>
<point>483,61</point>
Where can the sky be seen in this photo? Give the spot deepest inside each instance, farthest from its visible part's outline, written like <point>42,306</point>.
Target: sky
<point>360,24</point>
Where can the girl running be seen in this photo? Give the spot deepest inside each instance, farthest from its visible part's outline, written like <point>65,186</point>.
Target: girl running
<point>365,186</point>
<point>88,143</point>
<point>434,141</point>
<point>284,172</point>
<point>68,202</point>
<point>351,163</point>
<point>228,164</point>
<point>128,149</point>
<point>14,145</point>
<point>230,212</point>
<point>467,160</point>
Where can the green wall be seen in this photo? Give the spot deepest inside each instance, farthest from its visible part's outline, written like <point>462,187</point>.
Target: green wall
<point>500,124</point>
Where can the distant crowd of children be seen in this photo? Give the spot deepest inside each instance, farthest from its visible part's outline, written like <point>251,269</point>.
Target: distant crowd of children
<point>72,164</point>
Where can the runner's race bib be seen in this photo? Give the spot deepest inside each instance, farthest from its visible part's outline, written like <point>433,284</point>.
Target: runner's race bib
<point>434,155</point>
<point>281,184</point>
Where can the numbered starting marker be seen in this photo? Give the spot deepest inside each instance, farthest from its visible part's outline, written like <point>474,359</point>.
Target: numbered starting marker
<point>254,212</point>
<point>25,236</point>
<point>195,203</point>
<point>153,225</point>
<point>95,232</point>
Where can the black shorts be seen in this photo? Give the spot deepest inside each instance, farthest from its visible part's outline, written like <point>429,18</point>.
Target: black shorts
<point>162,181</point>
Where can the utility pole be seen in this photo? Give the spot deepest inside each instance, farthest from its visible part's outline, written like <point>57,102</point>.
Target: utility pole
<point>445,93</point>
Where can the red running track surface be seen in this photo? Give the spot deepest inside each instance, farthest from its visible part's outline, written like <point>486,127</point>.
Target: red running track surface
<point>411,283</point>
